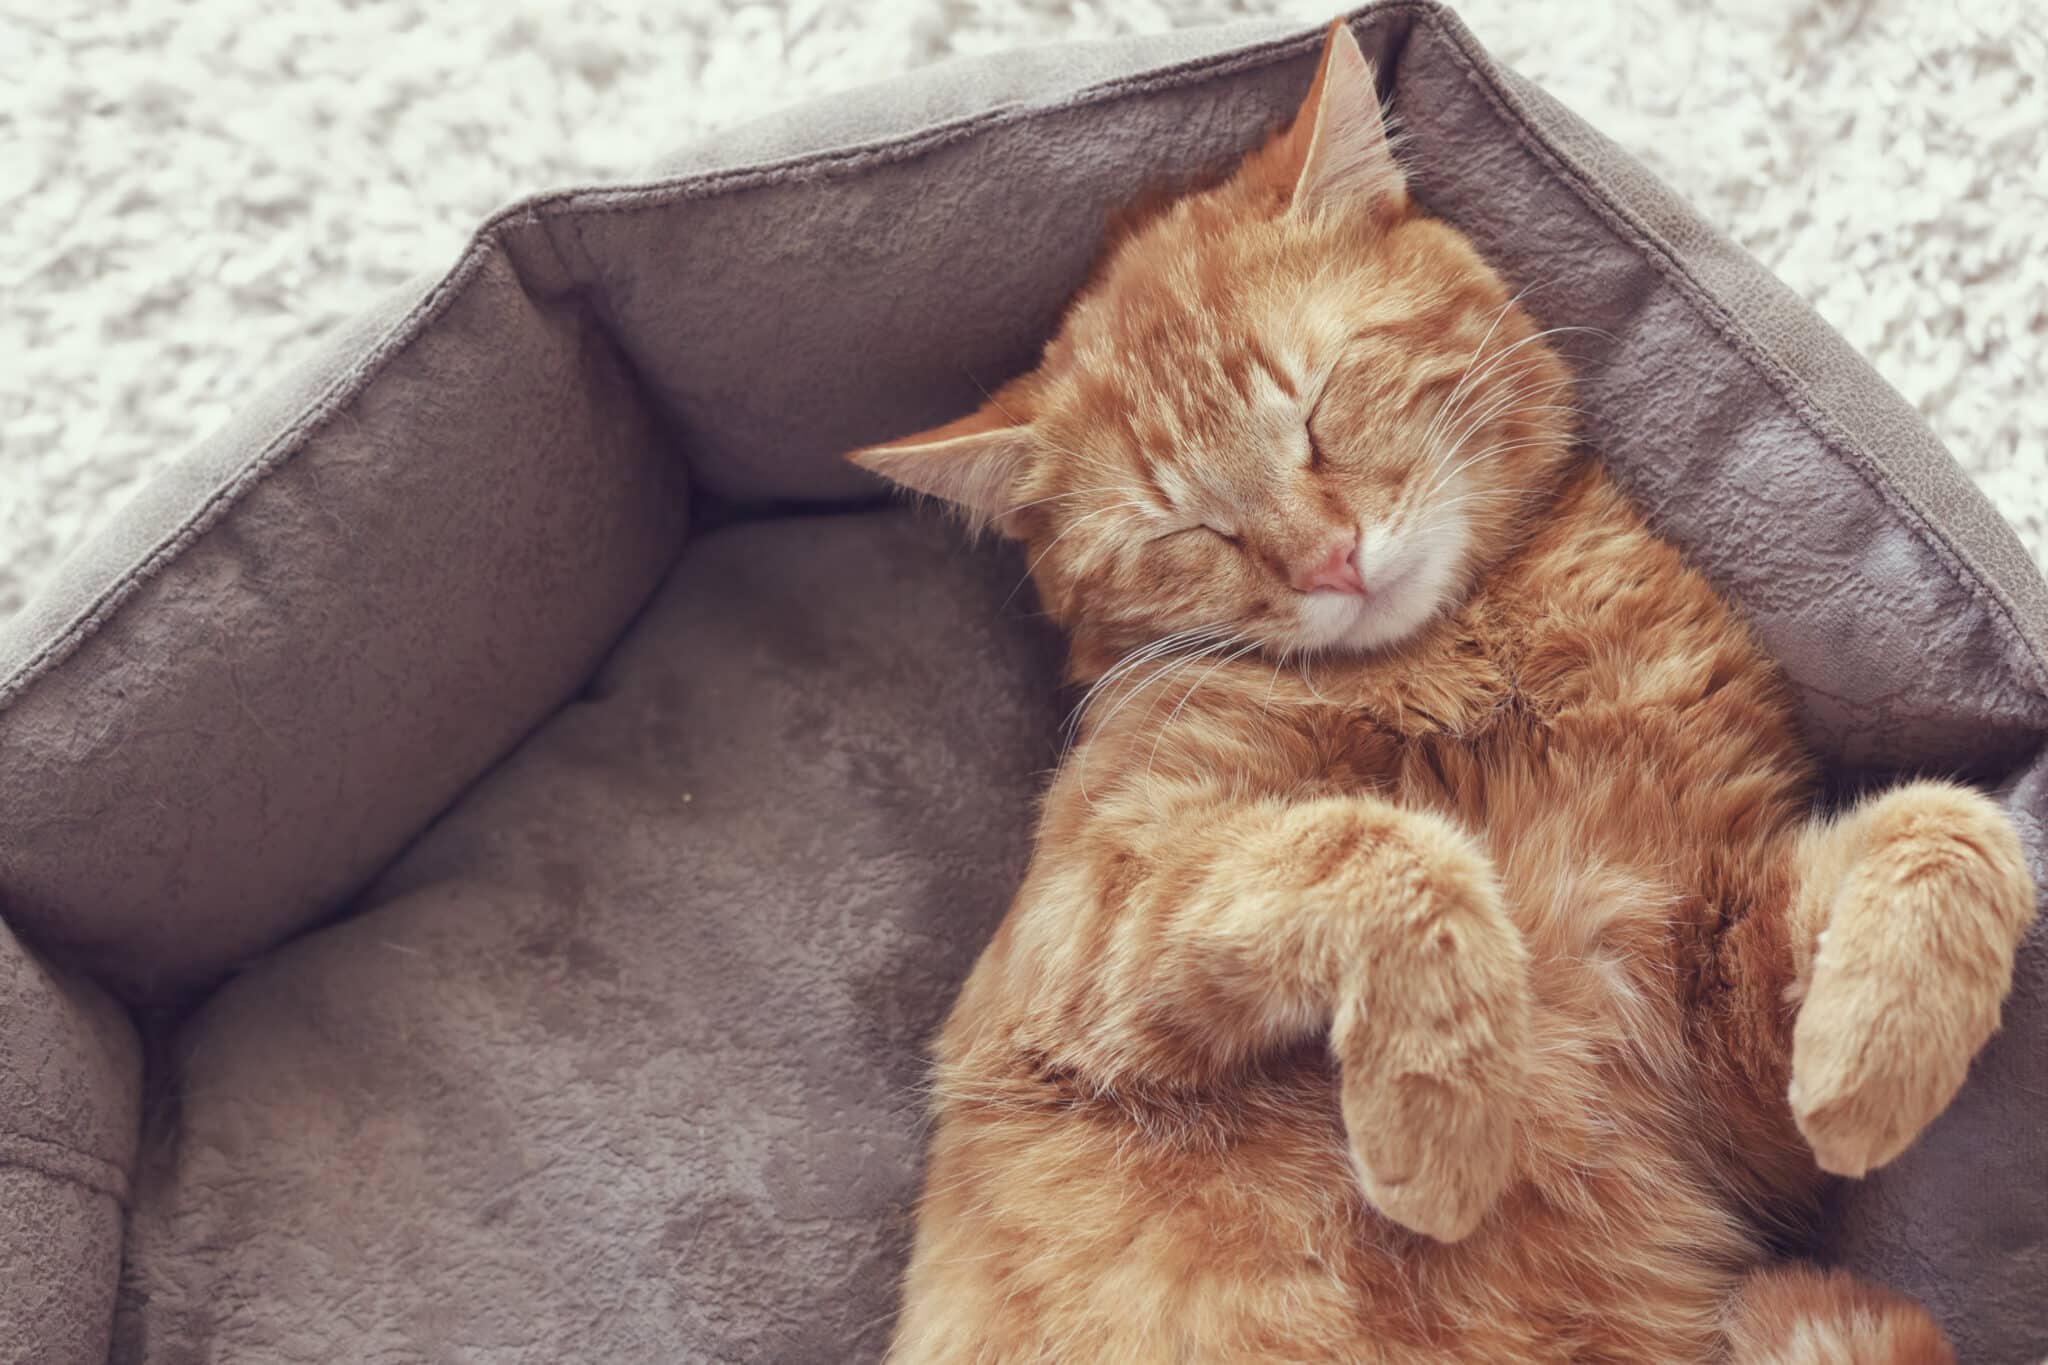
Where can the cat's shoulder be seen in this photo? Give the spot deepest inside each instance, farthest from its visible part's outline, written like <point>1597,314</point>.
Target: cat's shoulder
<point>1598,606</point>
<point>1594,562</point>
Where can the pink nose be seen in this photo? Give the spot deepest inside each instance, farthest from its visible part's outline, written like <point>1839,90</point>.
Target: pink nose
<point>1338,569</point>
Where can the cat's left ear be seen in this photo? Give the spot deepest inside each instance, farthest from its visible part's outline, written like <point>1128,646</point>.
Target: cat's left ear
<point>974,463</point>
<point>1346,162</point>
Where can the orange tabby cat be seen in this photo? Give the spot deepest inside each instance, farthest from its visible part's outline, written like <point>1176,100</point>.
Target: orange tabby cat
<point>1430,951</point>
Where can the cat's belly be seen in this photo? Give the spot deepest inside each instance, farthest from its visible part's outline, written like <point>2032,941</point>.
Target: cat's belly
<point>1231,1227</point>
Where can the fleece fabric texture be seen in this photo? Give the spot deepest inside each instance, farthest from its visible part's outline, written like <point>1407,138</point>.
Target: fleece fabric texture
<point>619,1057</point>
<point>624,1065</point>
<point>70,1082</point>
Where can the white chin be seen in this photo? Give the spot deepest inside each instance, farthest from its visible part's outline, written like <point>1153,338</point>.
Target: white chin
<point>1408,599</point>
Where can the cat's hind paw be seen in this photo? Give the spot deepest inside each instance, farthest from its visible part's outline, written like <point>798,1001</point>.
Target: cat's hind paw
<point>1909,976</point>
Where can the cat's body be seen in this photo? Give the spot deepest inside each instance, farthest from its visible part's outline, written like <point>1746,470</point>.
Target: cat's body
<point>1430,921</point>
<point>1625,754</point>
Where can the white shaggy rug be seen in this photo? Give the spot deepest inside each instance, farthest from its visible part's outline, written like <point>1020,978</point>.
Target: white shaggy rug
<point>190,194</point>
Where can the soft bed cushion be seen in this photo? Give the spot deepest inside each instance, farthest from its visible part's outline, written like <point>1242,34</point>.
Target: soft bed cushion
<point>656,851</point>
<point>624,1064</point>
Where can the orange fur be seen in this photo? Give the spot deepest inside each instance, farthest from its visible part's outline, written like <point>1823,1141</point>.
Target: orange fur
<point>1417,973</point>
<point>1800,1316</point>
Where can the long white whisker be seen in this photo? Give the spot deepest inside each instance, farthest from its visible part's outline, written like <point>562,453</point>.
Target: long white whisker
<point>1480,423</point>
<point>1500,315</point>
<point>1477,417</point>
<point>1178,663</point>
<point>1267,707</point>
<point>1469,383</point>
<point>1313,690</point>
<point>1203,646</point>
<point>1134,660</point>
<point>1437,511</point>
<point>1499,448</point>
<point>1529,411</point>
<point>1174,715</point>
<point>1056,497</point>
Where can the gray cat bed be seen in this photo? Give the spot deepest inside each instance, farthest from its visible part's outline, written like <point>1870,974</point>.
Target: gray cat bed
<point>528,802</point>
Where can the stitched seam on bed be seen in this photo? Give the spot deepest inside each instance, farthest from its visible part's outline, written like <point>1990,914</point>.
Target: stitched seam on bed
<point>487,240</point>
<point>61,1161</point>
<point>1811,412</point>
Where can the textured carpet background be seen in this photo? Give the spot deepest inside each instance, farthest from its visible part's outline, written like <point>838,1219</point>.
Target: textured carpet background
<point>191,193</point>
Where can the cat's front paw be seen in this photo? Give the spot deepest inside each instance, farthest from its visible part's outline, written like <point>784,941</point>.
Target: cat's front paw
<point>1433,1052</point>
<point>1432,1153</point>
<point>1909,975</point>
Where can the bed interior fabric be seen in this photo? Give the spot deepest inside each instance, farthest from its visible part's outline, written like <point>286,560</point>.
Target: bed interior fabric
<point>627,1039</point>
<point>70,1087</point>
<point>622,1061</point>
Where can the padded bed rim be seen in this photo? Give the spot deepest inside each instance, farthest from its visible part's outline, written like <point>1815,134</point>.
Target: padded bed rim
<point>543,209</point>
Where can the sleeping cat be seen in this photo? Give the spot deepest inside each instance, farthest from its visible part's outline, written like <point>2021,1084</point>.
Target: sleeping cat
<point>1430,951</point>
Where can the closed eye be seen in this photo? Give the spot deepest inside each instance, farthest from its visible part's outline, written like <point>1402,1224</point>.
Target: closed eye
<point>1308,427</point>
<point>1226,537</point>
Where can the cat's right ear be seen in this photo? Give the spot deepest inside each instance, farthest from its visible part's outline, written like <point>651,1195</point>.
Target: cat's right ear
<point>1336,154</point>
<point>975,463</point>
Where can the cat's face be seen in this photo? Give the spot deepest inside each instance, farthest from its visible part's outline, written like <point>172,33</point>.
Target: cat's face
<point>1288,412</point>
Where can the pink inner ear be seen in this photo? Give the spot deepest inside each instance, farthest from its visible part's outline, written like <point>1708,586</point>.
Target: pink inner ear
<point>973,463</point>
<point>1349,163</point>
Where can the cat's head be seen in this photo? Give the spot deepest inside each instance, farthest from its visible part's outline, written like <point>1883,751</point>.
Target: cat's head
<point>1290,410</point>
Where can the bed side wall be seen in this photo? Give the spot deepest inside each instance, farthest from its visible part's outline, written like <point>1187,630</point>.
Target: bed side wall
<point>395,585</point>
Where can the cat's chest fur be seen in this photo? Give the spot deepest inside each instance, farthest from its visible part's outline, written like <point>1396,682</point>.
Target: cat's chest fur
<point>1592,660</point>
<point>1486,690</point>
<point>1600,720</point>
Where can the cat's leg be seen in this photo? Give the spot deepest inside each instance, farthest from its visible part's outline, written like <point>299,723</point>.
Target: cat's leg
<point>1802,1315</point>
<point>1909,910</point>
<point>1431,1033</point>
<point>1170,943</point>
